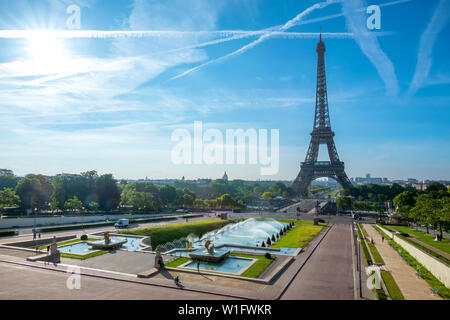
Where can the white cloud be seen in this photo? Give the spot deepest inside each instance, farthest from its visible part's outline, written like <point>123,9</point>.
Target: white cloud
<point>368,42</point>
<point>440,18</point>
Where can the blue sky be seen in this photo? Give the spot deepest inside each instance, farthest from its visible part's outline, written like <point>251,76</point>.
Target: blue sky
<point>111,104</point>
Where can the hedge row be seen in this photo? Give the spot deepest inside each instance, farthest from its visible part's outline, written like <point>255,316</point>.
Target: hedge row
<point>7,233</point>
<point>160,235</point>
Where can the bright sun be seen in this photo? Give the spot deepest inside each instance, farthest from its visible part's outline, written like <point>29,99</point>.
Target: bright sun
<point>46,50</point>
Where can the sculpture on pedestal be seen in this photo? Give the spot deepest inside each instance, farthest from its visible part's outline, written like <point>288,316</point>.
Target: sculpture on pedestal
<point>55,255</point>
<point>209,248</point>
<point>159,262</point>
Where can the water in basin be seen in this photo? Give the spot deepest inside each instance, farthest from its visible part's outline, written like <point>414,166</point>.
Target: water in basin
<point>77,248</point>
<point>248,233</point>
<point>232,265</point>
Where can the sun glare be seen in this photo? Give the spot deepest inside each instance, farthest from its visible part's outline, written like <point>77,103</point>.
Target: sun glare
<point>46,50</point>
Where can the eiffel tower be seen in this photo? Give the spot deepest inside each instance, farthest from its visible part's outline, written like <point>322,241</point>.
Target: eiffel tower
<point>312,169</point>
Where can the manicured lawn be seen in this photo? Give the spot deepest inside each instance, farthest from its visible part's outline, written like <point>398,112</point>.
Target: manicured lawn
<point>177,262</point>
<point>82,257</point>
<point>60,244</point>
<point>160,235</point>
<point>443,245</point>
<point>299,236</point>
<point>393,289</point>
<point>367,256</point>
<point>257,268</point>
<point>375,254</point>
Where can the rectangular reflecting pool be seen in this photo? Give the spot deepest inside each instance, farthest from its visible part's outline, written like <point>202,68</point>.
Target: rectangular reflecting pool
<point>233,265</point>
<point>81,248</point>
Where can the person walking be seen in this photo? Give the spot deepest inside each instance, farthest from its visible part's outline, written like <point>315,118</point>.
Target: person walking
<point>198,266</point>
<point>382,239</point>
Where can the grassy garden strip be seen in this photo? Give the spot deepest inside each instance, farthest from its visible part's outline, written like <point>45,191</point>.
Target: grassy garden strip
<point>421,247</point>
<point>177,262</point>
<point>299,236</point>
<point>60,244</point>
<point>83,257</point>
<point>436,285</point>
<point>375,254</point>
<point>364,247</point>
<point>391,286</point>
<point>443,245</point>
<point>258,267</point>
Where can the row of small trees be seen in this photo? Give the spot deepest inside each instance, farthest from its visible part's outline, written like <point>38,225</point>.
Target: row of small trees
<point>277,236</point>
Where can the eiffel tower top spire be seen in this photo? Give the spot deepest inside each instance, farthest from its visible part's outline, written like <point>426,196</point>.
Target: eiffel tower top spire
<point>322,116</point>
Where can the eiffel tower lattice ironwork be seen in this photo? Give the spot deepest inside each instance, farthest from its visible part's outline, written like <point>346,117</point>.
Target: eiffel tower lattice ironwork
<point>312,169</point>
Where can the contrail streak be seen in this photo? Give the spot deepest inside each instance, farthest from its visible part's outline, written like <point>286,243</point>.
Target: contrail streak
<point>291,23</point>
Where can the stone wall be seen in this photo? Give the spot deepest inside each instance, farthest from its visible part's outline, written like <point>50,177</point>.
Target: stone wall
<point>438,268</point>
<point>39,242</point>
<point>53,221</point>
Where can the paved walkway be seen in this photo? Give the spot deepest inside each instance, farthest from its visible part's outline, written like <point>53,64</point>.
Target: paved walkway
<point>412,287</point>
<point>24,283</point>
<point>328,275</point>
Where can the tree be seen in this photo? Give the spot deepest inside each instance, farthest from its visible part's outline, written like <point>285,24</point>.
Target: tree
<point>8,179</point>
<point>168,194</point>
<point>108,192</point>
<point>8,198</point>
<point>344,203</point>
<point>73,204</point>
<point>423,210</point>
<point>93,206</point>
<point>89,181</point>
<point>278,189</point>
<point>143,201</point>
<point>267,195</point>
<point>435,186</point>
<point>404,202</point>
<point>28,191</point>
<point>54,205</point>
<point>199,203</point>
<point>226,201</point>
<point>241,205</point>
<point>188,198</point>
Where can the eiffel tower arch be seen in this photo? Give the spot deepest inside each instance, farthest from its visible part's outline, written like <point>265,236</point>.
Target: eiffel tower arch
<point>322,134</point>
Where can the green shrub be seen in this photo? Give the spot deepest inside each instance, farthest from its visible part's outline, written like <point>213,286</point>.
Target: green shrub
<point>268,255</point>
<point>160,235</point>
<point>84,237</point>
<point>7,233</point>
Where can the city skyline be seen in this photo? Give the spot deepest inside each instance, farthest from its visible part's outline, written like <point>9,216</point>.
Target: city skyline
<point>111,103</point>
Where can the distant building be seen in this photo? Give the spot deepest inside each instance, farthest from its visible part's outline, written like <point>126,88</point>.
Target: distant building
<point>225,176</point>
<point>368,180</point>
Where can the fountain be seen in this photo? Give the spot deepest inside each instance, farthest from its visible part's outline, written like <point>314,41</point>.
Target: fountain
<point>211,254</point>
<point>107,243</point>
